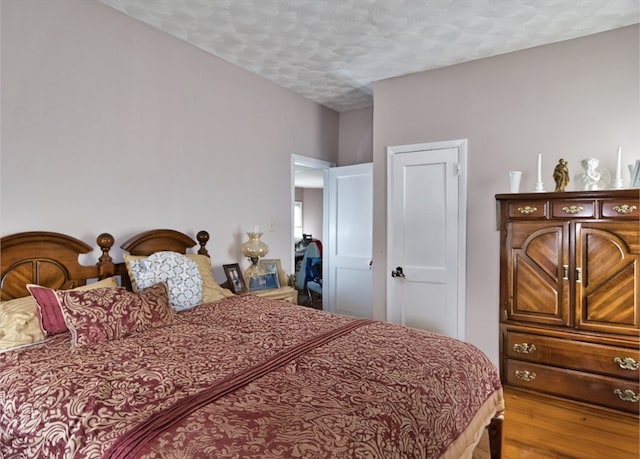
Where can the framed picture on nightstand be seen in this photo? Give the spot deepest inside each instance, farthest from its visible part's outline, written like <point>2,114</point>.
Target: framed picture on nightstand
<point>234,278</point>
<point>264,282</point>
<point>270,265</point>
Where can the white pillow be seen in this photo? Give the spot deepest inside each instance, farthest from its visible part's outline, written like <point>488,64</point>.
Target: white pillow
<point>180,274</point>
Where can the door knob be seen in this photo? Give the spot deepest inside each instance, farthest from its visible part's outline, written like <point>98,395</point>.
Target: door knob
<point>397,272</point>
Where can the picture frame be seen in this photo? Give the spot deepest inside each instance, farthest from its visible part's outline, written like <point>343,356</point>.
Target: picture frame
<point>635,177</point>
<point>272,265</point>
<point>266,281</point>
<point>234,278</point>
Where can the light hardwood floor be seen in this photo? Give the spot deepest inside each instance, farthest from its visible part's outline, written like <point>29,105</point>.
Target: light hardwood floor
<point>542,427</point>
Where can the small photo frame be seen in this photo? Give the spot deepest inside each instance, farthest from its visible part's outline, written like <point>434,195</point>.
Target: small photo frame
<point>234,278</point>
<point>635,177</point>
<point>264,282</point>
<point>270,265</point>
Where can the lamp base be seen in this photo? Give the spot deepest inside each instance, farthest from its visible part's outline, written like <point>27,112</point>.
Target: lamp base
<point>253,270</point>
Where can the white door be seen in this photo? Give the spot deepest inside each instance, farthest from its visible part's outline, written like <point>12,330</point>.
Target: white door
<point>426,236</point>
<point>347,249</point>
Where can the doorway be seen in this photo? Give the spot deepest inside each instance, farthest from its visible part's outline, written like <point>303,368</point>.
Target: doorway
<point>307,203</point>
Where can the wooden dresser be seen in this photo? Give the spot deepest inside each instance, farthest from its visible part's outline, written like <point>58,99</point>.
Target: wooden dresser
<point>569,287</point>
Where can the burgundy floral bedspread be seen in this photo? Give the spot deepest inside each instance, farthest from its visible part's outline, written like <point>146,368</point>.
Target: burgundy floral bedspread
<point>378,391</point>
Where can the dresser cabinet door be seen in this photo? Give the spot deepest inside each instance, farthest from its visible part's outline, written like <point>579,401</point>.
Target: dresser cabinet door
<point>607,277</point>
<point>537,269</point>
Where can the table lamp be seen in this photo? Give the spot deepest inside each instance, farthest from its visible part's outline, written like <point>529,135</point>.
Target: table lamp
<point>253,249</point>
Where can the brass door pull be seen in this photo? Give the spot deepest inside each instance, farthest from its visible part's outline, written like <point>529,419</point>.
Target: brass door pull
<point>624,209</point>
<point>527,210</point>
<point>627,395</point>
<point>627,363</point>
<point>572,210</point>
<point>524,348</point>
<point>525,375</point>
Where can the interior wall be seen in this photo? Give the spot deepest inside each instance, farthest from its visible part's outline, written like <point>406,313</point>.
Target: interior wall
<point>355,143</point>
<point>110,125</point>
<point>569,100</point>
<point>312,212</point>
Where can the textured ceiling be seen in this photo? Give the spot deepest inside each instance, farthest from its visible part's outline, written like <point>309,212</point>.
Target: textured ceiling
<point>330,51</point>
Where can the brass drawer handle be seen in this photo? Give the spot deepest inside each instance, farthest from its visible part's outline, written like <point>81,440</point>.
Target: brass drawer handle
<point>524,348</point>
<point>627,363</point>
<point>527,210</point>
<point>627,395</point>
<point>572,210</point>
<point>525,375</point>
<point>624,208</point>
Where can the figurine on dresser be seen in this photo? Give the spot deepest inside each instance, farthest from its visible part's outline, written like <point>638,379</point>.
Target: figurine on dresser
<point>593,177</point>
<point>561,175</point>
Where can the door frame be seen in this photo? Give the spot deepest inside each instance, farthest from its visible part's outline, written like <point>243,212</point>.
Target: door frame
<point>461,146</point>
<point>314,163</point>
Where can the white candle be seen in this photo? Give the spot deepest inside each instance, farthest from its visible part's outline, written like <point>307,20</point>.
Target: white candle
<point>256,229</point>
<point>539,168</point>
<point>617,181</point>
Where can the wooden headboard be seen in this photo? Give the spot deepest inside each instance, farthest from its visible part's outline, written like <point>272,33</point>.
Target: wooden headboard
<point>49,259</point>
<point>159,240</point>
<point>164,239</point>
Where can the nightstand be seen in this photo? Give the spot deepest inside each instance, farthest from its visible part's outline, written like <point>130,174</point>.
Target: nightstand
<point>288,294</point>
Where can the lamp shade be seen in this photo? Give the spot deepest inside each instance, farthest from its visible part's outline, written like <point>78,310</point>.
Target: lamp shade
<point>254,247</point>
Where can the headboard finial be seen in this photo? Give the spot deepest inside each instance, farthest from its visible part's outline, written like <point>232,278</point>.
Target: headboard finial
<point>105,262</point>
<point>203,238</point>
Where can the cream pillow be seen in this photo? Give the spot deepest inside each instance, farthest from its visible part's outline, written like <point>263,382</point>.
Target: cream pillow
<point>19,323</point>
<point>211,291</point>
<point>20,318</point>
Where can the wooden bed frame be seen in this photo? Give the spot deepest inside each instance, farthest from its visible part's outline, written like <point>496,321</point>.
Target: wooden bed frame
<point>51,259</point>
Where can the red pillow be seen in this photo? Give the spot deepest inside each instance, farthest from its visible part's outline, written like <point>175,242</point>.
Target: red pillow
<point>49,312</point>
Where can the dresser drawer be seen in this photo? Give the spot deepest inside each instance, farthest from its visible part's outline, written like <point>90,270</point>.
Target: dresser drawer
<point>600,390</point>
<point>618,208</point>
<point>573,209</point>
<point>530,210</point>
<point>577,355</point>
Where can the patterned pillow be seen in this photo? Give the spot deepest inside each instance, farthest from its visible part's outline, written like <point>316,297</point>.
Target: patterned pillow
<point>49,313</point>
<point>107,314</point>
<point>180,274</point>
<point>211,290</point>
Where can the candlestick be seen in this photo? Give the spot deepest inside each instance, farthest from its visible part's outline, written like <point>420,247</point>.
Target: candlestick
<point>617,181</point>
<point>539,185</point>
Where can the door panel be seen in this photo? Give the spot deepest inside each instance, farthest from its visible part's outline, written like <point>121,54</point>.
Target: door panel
<point>348,197</point>
<point>425,238</point>
<point>538,285</point>
<point>604,259</point>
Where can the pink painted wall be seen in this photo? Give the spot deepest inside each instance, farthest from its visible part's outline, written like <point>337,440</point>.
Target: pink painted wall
<point>110,125</point>
<point>572,99</point>
<point>355,144</point>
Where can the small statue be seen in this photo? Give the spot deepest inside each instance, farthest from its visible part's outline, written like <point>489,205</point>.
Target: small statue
<point>561,175</point>
<point>592,177</point>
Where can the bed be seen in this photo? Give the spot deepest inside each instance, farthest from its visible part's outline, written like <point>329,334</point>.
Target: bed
<point>130,375</point>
